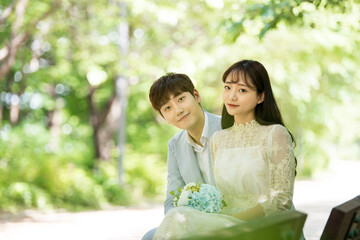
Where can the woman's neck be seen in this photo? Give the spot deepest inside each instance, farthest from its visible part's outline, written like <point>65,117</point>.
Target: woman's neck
<point>242,119</point>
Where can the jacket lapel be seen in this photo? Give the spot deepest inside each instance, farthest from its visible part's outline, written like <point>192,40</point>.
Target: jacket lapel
<point>189,164</point>
<point>213,126</point>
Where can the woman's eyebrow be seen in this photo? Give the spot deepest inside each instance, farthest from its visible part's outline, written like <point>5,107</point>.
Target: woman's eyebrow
<point>241,84</point>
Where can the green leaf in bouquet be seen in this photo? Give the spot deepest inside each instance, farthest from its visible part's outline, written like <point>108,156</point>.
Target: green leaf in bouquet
<point>224,203</point>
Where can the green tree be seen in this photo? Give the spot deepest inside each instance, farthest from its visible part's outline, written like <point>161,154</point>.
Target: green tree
<point>60,108</point>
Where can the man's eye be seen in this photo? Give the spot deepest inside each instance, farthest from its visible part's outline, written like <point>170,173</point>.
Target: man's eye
<point>167,108</point>
<point>227,87</point>
<point>242,90</point>
<point>181,99</point>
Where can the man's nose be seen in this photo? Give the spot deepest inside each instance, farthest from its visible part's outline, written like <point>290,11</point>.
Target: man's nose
<point>178,109</point>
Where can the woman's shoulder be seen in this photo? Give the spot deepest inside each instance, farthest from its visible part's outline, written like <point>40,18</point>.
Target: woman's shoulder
<point>277,127</point>
<point>278,131</point>
<point>221,133</point>
<point>218,136</point>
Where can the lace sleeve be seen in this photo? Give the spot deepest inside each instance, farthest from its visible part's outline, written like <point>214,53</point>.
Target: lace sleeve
<point>280,154</point>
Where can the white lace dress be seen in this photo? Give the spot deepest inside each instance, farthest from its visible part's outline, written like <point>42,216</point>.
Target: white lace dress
<point>253,164</point>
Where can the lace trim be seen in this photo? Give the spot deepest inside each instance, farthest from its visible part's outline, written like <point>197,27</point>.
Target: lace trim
<point>241,135</point>
<point>245,126</point>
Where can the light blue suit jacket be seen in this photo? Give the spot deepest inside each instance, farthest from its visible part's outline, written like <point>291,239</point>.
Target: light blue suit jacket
<point>182,164</point>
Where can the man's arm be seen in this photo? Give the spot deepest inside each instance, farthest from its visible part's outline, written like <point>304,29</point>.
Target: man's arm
<point>174,178</point>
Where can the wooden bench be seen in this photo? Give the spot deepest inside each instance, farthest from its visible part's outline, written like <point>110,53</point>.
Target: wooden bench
<point>283,226</point>
<point>344,222</point>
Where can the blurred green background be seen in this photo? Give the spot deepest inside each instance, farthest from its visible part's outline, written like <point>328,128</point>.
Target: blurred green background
<point>77,130</point>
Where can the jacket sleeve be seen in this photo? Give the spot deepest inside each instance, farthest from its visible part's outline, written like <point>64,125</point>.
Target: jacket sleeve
<point>174,178</point>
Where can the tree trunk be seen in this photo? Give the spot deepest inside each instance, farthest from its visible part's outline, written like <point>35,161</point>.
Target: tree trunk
<point>14,113</point>
<point>1,111</point>
<point>54,119</point>
<point>122,87</point>
<point>104,125</point>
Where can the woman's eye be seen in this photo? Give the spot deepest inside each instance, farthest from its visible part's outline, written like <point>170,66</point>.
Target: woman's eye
<point>167,108</point>
<point>181,99</point>
<point>227,87</point>
<point>242,90</point>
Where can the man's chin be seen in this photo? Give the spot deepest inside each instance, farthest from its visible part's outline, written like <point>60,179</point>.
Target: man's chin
<point>184,126</point>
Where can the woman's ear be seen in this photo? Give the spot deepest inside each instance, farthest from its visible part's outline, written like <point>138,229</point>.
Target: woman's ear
<point>261,97</point>
<point>197,96</point>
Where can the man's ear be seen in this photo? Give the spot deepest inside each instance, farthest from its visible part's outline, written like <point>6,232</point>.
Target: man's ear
<point>197,96</point>
<point>261,97</point>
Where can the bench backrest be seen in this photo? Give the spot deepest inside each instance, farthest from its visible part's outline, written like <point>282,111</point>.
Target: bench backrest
<point>344,221</point>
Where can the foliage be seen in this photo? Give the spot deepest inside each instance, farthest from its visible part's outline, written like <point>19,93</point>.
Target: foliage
<point>259,16</point>
<point>34,176</point>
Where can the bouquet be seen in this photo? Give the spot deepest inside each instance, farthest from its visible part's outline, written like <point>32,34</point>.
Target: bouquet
<point>203,197</point>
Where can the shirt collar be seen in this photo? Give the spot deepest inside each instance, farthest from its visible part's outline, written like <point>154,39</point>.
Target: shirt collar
<point>204,134</point>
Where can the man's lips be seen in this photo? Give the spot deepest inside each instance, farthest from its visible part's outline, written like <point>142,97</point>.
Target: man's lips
<point>184,117</point>
<point>232,105</point>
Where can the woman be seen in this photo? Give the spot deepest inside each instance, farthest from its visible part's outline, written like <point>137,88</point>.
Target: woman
<point>252,157</point>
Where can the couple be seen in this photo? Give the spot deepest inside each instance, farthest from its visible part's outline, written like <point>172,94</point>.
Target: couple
<point>247,153</point>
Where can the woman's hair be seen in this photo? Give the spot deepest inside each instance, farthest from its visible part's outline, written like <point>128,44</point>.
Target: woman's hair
<point>255,77</point>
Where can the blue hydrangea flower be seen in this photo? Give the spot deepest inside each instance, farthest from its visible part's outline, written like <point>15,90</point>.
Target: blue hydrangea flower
<point>205,198</point>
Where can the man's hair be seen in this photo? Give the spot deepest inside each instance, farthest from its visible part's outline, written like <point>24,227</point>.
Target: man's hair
<point>171,83</point>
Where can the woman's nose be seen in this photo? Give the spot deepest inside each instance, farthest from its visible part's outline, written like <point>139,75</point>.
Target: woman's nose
<point>232,95</point>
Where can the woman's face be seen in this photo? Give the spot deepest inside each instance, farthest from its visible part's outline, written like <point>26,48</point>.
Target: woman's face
<point>240,100</point>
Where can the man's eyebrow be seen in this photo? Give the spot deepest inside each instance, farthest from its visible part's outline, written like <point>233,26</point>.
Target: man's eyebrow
<point>168,99</point>
<point>164,102</point>
<point>178,94</point>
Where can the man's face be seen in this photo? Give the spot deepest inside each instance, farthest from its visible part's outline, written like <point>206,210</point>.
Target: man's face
<point>183,111</point>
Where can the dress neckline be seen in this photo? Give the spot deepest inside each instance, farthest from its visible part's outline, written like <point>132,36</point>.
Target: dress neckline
<point>246,126</point>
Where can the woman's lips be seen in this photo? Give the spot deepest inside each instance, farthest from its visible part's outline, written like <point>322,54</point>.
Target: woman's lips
<point>232,105</point>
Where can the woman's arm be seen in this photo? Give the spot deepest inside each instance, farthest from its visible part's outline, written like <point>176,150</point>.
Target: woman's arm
<point>281,162</point>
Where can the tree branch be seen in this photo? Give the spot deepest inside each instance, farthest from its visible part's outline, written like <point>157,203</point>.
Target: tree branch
<point>20,11</point>
<point>8,53</point>
<point>7,12</point>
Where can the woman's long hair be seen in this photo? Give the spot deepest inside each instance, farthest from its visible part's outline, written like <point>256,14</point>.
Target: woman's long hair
<point>255,77</point>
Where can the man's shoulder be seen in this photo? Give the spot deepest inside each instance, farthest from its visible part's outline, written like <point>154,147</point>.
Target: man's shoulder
<point>214,123</point>
<point>213,117</point>
<point>178,138</point>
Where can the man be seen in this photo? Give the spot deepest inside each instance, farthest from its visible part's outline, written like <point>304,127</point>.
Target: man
<point>178,102</point>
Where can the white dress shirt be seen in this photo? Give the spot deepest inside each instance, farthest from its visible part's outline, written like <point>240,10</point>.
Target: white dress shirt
<point>202,153</point>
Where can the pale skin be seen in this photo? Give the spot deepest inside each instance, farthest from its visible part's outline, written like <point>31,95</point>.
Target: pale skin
<point>240,101</point>
<point>184,111</point>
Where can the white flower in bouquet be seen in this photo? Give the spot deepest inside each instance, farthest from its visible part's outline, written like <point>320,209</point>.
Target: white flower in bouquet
<point>184,198</point>
<point>203,197</point>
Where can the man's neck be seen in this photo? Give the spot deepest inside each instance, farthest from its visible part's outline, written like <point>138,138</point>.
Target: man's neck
<point>196,132</point>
